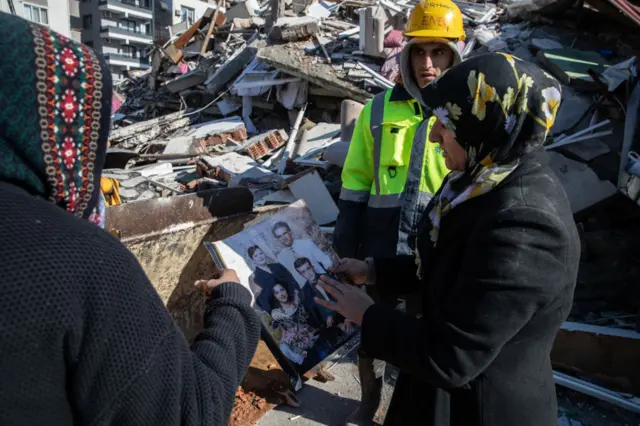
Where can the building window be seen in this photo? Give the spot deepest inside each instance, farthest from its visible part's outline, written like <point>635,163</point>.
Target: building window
<point>128,25</point>
<point>39,15</point>
<point>129,51</point>
<point>87,22</point>
<point>187,14</point>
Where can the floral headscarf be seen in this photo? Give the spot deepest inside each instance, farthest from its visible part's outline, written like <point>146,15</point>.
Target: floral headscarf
<point>55,102</point>
<point>499,108</point>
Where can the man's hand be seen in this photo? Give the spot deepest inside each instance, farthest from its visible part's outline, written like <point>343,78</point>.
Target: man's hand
<point>351,302</point>
<point>226,276</point>
<point>356,270</point>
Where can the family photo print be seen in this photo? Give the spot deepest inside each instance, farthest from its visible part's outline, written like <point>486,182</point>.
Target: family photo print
<point>280,260</point>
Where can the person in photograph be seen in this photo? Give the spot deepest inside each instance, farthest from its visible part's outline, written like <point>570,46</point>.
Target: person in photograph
<point>290,316</point>
<point>296,248</point>
<point>265,276</point>
<point>312,289</point>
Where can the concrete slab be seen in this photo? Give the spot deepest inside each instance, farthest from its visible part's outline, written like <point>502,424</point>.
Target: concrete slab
<point>313,191</point>
<point>588,150</point>
<point>179,145</point>
<point>210,128</point>
<point>319,135</point>
<point>573,107</point>
<point>290,58</point>
<point>582,185</point>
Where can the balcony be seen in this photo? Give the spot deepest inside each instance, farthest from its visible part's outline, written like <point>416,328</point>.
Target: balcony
<point>126,61</point>
<point>129,9</point>
<point>127,35</point>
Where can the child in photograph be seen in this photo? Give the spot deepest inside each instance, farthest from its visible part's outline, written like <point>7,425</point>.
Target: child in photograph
<point>265,276</point>
<point>296,248</point>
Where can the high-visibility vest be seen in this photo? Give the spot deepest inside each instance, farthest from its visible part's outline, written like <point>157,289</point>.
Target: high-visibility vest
<point>393,168</point>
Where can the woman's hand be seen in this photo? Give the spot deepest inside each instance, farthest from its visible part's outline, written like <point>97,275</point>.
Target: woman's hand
<point>356,270</point>
<point>351,302</point>
<point>226,276</point>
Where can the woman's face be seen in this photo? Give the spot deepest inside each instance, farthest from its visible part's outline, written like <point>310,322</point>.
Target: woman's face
<point>280,293</point>
<point>259,257</point>
<point>454,156</point>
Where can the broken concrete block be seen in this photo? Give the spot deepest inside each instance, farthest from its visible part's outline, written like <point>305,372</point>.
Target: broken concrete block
<point>291,61</point>
<point>264,144</point>
<point>299,6</point>
<point>156,169</point>
<point>277,197</point>
<point>218,131</point>
<point>588,149</point>
<point>546,43</point>
<point>242,10</point>
<point>185,81</point>
<point>582,185</point>
<point>179,145</point>
<point>312,190</point>
<point>336,153</point>
<point>225,167</point>
<point>573,107</point>
<point>316,137</point>
<point>230,69</point>
<point>294,29</point>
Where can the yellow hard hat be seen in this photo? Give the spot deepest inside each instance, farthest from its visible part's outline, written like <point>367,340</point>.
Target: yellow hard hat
<point>435,19</point>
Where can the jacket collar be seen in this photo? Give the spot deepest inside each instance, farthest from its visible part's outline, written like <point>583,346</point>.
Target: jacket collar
<point>399,94</point>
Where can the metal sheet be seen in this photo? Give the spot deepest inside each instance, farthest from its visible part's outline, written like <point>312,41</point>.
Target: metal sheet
<point>159,215</point>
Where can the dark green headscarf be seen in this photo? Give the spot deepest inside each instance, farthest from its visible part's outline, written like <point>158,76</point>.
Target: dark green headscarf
<point>500,109</point>
<point>55,107</point>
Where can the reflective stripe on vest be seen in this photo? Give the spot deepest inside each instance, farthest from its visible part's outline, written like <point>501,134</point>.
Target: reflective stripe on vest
<point>375,123</point>
<point>413,202</point>
<point>353,195</point>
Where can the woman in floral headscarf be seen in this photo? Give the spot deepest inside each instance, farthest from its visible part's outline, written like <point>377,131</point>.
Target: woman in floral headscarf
<point>496,260</point>
<point>84,337</point>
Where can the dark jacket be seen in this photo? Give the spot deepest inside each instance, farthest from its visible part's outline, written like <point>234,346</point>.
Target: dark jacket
<point>86,340</point>
<point>495,290</point>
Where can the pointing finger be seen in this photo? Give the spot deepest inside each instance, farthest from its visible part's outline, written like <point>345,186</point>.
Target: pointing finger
<point>326,303</point>
<point>332,290</point>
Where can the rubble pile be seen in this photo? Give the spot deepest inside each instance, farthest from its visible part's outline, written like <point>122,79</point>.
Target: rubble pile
<point>251,95</point>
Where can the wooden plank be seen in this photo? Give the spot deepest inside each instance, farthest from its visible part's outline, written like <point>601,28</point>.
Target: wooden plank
<point>606,353</point>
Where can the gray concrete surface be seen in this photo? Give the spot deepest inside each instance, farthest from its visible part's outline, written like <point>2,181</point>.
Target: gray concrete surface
<point>329,403</point>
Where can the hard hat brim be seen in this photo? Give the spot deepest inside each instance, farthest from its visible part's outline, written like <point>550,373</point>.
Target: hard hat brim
<point>434,34</point>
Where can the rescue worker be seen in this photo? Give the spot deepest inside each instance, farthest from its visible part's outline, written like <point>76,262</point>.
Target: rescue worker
<point>391,171</point>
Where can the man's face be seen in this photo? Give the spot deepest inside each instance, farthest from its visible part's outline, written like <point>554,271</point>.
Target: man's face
<point>307,271</point>
<point>284,236</point>
<point>429,60</point>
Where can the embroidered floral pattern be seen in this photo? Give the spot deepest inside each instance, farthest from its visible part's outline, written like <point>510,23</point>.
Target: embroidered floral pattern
<point>550,105</point>
<point>69,85</point>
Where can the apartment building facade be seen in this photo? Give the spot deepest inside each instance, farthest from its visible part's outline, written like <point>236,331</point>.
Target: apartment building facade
<point>120,30</point>
<point>61,16</point>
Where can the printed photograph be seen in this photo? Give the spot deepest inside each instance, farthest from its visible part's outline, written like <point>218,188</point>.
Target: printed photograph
<point>280,260</point>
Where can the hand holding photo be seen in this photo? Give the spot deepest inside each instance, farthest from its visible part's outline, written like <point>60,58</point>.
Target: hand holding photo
<point>349,301</point>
